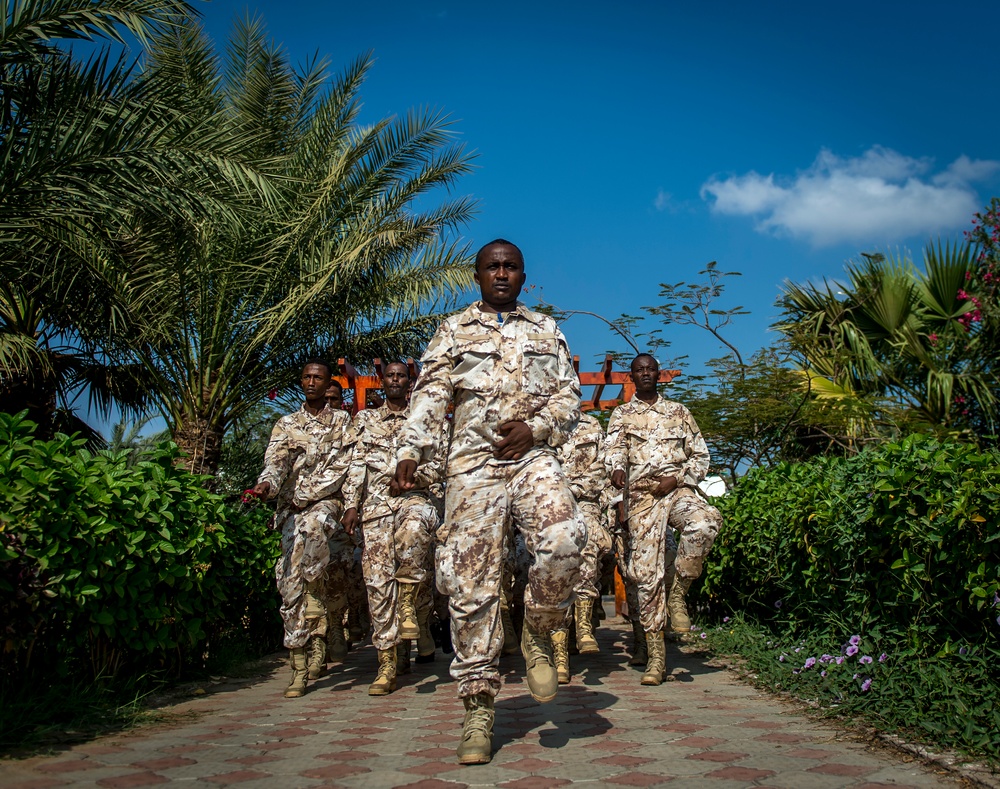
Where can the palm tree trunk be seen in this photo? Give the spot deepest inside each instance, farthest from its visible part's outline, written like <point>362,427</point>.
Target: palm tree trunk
<point>200,441</point>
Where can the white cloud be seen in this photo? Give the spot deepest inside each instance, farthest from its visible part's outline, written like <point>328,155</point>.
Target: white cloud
<point>663,201</point>
<point>878,197</point>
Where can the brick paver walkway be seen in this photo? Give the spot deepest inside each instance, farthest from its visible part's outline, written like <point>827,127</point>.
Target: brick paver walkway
<point>705,729</point>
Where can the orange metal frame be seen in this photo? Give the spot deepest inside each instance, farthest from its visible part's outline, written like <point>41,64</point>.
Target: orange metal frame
<point>604,378</point>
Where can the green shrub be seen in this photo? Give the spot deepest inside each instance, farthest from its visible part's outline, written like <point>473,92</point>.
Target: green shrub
<point>115,571</point>
<point>903,539</point>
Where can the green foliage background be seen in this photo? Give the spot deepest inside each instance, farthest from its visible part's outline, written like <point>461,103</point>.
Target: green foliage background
<point>896,545</point>
<point>111,571</point>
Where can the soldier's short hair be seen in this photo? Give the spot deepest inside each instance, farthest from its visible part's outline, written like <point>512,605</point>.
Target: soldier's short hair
<point>406,367</point>
<point>497,242</point>
<point>644,355</point>
<point>335,383</point>
<point>319,362</point>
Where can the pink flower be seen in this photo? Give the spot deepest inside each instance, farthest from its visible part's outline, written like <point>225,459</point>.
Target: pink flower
<point>933,338</point>
<point>272,394</point>
<point>866,685</point>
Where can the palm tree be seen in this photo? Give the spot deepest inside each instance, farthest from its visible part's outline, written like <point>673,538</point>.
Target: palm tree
<point>895,333</point>
<point>358,260</point>
<point>88,155</point>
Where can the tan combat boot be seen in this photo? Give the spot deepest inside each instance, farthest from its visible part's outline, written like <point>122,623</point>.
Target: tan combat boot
<point>336,644</point>
<point>640,655</point>
<point>560,653</point>
<point>425,641</point>
<point>510,644</point>
<point>406,611</point>
<point>541,672</point>
<point>680,622</point>
<point>300,672</point>
<point>585,640</point>
<point>477,730</point>
<point>657,664</point>
<point>385,682</point>
<point>316,659</point>
<point>403,657</point>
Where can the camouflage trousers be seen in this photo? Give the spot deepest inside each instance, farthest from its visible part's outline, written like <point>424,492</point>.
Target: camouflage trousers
<point>397,546</point>
<point>597,547</point>
<point>470,556</point>
<point>302,571</point>
<point>654,556</point>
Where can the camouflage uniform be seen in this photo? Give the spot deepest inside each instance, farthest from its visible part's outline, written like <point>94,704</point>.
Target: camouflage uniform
<point>497,370</point>
<point>398,532</point>
<point>657,440</point>
<point>304,464</point>
<point>582,459</point>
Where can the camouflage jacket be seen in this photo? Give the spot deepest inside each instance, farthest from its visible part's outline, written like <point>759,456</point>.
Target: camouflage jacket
<point>494,372</point>
<point>307,457</point>
<point>582,458</point>
<point>376,440</point>
<point>657,440</point>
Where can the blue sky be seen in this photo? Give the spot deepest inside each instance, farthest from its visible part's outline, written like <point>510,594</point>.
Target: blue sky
<point>623,145</point>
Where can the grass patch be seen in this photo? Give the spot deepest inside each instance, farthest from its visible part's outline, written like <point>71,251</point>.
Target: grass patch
<point>949,699</point>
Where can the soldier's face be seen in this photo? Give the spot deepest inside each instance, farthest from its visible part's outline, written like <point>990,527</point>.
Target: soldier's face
<point>645,373</point>
<point>396,381</point>
<point>335,397</point>
<point>315,380</point>
<point>500,275</point>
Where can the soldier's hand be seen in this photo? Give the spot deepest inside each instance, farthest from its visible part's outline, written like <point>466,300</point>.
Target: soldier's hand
<point>403,478</point>
<point>262,489</point>
<point>665,486</point>
<point>618,478</point>
<point>517,440</point>
<point>350,520</point>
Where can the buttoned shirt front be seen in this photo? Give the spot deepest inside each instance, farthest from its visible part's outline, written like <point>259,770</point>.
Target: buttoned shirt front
<point>377,433</point>
<point>306,457</point>
<point>654,440</point>
<point>517,368</point>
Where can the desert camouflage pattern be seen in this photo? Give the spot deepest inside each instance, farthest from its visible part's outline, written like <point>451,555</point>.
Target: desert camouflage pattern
<point>598,546</point>
<point>582,458</point>
<point>305,463</point>
<point>519,369</point>
<point>655,440</point>
<point>471,551</point>
<point>398,531</point>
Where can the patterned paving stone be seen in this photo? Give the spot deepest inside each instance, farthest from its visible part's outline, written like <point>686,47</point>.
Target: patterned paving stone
<point>705,730</point>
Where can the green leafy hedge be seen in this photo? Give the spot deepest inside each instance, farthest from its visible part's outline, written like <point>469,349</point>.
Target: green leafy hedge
<point>904,538</point>
<point>115,569</point>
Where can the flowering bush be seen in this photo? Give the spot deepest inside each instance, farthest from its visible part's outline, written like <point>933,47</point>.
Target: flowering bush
<point>900,539</point>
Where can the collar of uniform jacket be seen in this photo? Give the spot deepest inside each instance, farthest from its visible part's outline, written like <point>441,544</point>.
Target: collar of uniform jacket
<point>475,313</point>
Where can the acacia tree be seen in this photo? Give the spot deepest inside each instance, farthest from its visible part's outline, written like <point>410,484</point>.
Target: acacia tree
<point>356,260</point>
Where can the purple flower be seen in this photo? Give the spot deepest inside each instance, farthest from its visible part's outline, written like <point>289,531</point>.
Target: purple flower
<point>963,651</point>
<point>866,685</point>
<point>725,619</point>
<point>883,657</point>
<point>854,641</point>
<point>781,658</point>
<point>826,659</point>
<point>704,635</point>
<point>823,673</point>
<point>855,676</point>
<point>797,650</point>
<point>777,603</point>
<point>839,659</point>
<point>865,659</point>
<point>810,662</point>
<point>851,651</point>
<point>796,670</point>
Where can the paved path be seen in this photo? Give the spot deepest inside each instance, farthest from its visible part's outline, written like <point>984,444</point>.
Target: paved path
<point>705,729</point>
